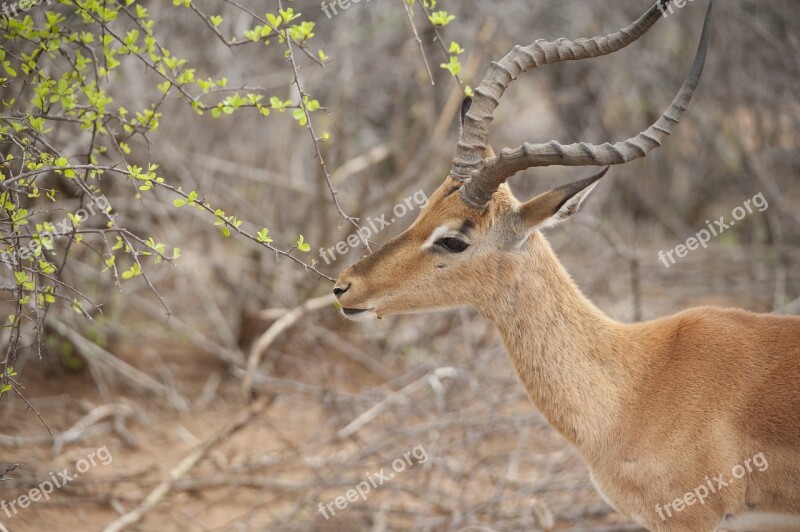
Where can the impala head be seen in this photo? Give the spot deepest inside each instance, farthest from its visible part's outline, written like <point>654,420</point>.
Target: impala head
<point>451,252</point>
<point>473,231</point>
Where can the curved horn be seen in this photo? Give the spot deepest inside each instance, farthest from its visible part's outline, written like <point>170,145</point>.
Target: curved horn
<point>483,178</point>
<point>474,135</point>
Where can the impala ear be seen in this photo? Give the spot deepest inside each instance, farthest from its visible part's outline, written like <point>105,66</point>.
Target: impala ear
<point>555,206</point>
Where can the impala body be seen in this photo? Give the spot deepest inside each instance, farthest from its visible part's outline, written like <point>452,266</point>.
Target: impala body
<point>690,422</point>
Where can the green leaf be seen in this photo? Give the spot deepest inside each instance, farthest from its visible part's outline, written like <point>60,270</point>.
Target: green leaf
<point>455,48</point>
<point>46,267</point>
<point>441,18</point>
<point>279,105</point>
<point>134,270</point>
<point>263,236</point>
<point>454,66</point>
<point>302,245</point>
<point>300,116</point>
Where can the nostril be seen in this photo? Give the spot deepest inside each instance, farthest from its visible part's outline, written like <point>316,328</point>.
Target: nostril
<point>339,290</point>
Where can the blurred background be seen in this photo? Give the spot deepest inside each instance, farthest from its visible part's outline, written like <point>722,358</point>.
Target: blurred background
<point>318,404</point>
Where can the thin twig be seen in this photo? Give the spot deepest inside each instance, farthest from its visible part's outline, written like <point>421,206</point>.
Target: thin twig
<point>185,465</point>
<point>270,335</point>
<point>310,127</point>
<point>419,41</point>
<point>184,195</point>
<point>438,37</point>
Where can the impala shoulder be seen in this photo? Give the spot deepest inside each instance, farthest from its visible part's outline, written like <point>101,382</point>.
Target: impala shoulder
<point>740,322</point>
<point>717,318</point>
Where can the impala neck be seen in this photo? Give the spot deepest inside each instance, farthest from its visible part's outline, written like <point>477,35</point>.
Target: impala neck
<point>568,354</point>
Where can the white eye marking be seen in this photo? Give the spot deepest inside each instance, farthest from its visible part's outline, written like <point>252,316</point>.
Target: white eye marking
<point>438,233</point>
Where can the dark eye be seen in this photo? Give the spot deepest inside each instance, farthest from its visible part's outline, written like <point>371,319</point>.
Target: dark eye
<point>454,245</point>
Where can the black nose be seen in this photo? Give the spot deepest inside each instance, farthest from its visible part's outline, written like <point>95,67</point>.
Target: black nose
<point>339,290</point>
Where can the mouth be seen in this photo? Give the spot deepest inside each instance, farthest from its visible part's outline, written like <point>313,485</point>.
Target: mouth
<point>359,314</point>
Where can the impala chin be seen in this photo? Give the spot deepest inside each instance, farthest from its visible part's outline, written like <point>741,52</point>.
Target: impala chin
<point>357,314</point>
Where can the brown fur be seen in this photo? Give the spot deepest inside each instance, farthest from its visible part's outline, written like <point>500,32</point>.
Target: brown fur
<point>654,407</point>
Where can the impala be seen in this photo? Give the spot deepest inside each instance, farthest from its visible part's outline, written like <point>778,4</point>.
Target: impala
<point>659,410</point>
